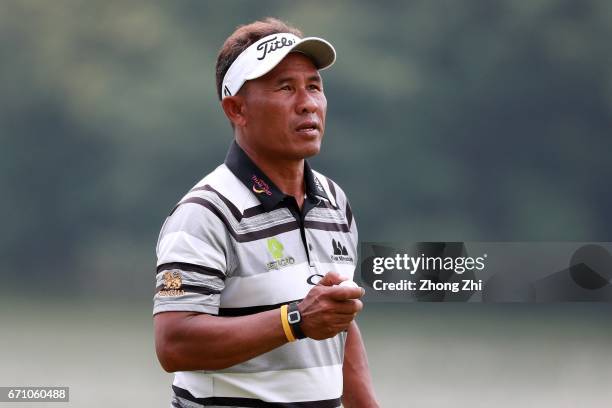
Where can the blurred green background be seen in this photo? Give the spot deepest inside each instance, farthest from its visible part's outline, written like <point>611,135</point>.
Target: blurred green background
<point>447,120</point>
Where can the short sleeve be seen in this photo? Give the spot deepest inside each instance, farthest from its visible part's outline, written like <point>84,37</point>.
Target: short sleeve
<point>191,261</point>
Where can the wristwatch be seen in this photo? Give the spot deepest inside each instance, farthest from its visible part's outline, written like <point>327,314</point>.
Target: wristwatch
<point>295,320</point>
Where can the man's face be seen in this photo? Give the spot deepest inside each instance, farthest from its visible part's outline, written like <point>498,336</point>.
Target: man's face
<point>285,111</point>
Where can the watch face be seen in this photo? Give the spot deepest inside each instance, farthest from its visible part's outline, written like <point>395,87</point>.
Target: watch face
<point>294,317</point>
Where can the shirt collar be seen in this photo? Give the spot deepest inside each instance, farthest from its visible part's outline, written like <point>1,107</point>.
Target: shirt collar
<point>256,180</point>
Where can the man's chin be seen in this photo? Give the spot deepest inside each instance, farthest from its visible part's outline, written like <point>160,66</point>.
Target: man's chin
<point>309,151</point>
<point>303,150</point>
<point>312,152</point>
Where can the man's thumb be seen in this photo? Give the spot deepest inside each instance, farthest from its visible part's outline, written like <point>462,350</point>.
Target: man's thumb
<point>330,279</point>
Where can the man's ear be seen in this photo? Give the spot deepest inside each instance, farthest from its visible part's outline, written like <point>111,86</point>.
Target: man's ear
<point>234,108</point>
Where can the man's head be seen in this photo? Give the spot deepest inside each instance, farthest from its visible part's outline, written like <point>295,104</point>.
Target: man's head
<point>271,90</point>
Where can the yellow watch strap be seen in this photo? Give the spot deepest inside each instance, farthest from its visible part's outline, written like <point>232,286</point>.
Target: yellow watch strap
<point>285,322</point>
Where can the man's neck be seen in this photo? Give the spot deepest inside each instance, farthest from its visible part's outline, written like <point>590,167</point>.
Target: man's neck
<point>287,175</point>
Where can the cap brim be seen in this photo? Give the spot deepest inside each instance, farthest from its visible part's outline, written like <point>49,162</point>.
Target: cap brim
<point>321,52</point>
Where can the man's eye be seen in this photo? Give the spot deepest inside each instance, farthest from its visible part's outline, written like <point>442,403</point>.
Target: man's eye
<point>315,87</point>
<point>285,88</point>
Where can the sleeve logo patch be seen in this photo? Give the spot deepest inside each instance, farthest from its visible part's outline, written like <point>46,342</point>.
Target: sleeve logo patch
<point>172,284</point>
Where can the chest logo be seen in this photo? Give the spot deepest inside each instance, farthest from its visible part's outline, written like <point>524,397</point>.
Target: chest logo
<point>275,248</point>
<point>340,254</point>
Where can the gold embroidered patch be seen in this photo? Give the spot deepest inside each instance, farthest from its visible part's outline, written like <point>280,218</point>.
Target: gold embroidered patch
<point>172,284</point>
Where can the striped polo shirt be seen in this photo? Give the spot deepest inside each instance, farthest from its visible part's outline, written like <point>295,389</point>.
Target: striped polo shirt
<point>236,245</point>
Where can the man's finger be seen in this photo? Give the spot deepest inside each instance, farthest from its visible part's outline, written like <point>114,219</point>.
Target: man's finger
<point>348,307</point>
<point>345,293</point>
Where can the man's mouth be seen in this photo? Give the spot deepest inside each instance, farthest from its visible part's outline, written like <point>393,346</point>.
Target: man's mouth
<point>308,126</point>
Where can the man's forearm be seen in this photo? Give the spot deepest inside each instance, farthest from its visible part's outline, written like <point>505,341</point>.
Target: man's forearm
<point>188,341</point>
<point>358,388</point>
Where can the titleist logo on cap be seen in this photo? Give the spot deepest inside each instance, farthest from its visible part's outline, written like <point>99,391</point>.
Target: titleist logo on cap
<point>272,45</point>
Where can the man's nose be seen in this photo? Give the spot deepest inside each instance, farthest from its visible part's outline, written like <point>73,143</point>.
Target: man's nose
<point>307,102</point>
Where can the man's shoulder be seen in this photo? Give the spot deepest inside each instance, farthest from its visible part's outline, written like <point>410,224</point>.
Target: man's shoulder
<point>222,188</point>
<point>217,178</point>
<point>333,190</point>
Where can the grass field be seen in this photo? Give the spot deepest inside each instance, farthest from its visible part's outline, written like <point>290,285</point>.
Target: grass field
<point>421,355</point>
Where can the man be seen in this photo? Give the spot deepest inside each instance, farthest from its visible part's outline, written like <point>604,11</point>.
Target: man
<point>249,310</point>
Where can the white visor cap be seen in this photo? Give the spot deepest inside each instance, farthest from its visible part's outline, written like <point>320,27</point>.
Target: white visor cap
<point>262,56</point>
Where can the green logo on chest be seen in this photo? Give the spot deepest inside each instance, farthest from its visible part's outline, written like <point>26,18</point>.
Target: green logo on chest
<point>275,248</point>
